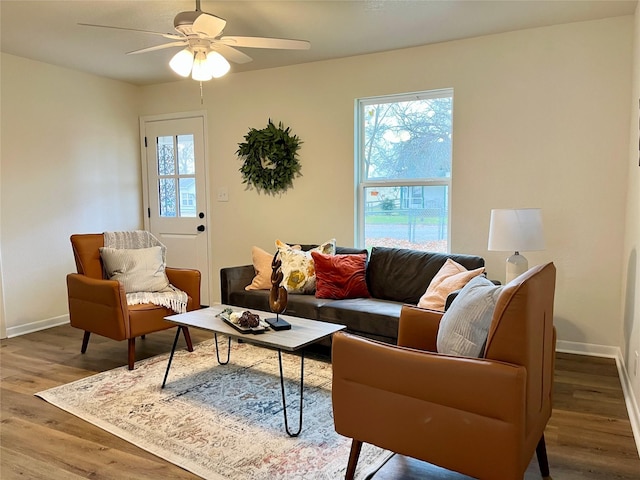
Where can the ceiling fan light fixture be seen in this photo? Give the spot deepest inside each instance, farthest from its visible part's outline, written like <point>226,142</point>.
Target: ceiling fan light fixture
<point>201,71</point>
<point>182,62</point>
<point>218,65</point>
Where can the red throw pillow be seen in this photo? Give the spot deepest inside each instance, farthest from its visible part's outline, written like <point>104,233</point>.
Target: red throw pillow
<point>341,276</point>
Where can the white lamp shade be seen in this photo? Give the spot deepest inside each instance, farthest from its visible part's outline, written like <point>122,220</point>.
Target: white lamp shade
<point>201,71</point>
<point>182,62</point>
<point>516,230</point>
<point>217,64</point>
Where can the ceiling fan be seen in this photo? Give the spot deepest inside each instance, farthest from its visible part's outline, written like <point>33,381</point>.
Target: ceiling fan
<point>207,53</point>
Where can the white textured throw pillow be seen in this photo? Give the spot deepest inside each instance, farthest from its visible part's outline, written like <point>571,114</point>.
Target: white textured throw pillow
<point>139,269</point>
<point>465,326</point>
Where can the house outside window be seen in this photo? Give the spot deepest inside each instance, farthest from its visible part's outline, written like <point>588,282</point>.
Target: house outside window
<point>403,170</point>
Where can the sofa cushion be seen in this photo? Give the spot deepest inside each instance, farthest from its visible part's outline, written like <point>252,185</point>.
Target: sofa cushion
<point>340,276</point>
<point>138,269</point>
<point>298,267</point>
<point>403,275</point>
<point>369,316</point>
<point>451,277</point>
<point>465,325</point>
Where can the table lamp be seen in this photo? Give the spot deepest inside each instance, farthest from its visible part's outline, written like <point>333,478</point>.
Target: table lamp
<point>516,230</point>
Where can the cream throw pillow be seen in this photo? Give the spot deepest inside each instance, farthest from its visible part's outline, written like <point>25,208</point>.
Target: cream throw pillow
<point>451,277</point>
<point>138,269</point>
<point>298,267</point>
<point>464,328</point>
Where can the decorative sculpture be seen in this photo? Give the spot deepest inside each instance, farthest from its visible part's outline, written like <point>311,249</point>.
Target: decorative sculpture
<point>277,296</point>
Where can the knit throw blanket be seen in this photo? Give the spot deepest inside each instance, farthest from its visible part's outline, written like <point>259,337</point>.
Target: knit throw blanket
<point>170,297</point>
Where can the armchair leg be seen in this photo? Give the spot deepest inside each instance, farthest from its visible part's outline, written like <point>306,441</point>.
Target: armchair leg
<point>356,446</point>
<point>132,352</point>
<point>543,462</point>
<point>85,341</point>
<point>187,338</point>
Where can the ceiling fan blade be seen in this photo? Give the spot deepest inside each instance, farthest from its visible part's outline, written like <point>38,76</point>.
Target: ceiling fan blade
<point>159,47</point>
<point>171,36</point>
<point>209,25</point>
<point>230,53</point>
<point>265,42</point>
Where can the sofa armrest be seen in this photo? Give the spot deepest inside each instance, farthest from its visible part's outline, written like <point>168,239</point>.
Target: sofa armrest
<point>418,328</point>
<point>188,281</point>
<point>98,306</point>
<point>233,279</point>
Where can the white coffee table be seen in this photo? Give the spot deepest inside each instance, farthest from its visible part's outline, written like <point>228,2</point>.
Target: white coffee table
<point>303,332</point>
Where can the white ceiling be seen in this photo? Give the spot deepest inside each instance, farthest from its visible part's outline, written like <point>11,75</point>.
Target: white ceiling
<point>48,30</point>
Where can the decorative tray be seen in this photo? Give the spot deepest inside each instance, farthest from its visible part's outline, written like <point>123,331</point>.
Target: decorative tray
<point>227,317</point>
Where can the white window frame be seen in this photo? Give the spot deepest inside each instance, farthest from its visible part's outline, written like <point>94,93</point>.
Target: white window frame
<point>361,183</point>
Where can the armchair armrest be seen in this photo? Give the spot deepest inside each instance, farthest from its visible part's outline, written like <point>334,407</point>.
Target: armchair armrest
<point>418,328</point>
<point>98,306</point>
<point>188,281</point>
<point>484,387</point>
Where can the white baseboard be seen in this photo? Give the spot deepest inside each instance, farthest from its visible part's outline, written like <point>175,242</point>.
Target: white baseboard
<point>615,353</point>
<point>36,326</point>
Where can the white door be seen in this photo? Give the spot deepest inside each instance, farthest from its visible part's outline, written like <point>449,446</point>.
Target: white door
<point>176,198</point>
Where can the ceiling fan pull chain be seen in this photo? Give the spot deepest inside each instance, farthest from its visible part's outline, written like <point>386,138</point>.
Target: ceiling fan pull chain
<point>201,97</point>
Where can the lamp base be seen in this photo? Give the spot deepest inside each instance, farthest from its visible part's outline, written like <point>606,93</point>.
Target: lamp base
<point>516,265</point>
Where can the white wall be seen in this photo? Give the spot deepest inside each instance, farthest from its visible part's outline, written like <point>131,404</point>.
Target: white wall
<point>70,164</point>
<point>541,119</point>
<point>631,262</point>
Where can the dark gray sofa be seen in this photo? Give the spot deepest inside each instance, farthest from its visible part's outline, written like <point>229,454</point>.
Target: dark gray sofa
<point>394,277</point>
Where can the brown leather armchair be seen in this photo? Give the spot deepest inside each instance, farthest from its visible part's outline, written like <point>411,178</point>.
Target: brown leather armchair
<point>481,417</point>
<point>98,305</point>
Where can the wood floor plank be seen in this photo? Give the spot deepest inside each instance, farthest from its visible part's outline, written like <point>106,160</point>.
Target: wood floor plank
<point>588,437</point>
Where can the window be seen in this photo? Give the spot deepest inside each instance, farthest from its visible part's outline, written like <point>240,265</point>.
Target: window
<point>403,170</point>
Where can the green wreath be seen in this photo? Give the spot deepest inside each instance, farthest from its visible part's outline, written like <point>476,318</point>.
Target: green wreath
<point>270,158</point>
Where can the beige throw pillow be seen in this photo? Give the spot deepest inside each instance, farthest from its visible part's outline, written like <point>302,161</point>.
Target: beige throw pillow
<point>451,277</point>
<point>138,269</point>
<point>262,266</point>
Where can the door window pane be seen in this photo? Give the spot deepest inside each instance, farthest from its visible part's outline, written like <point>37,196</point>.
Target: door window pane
<point>186,158</point>
<point>187,197</point>
<point>166,160</point>
<point>167,191</point>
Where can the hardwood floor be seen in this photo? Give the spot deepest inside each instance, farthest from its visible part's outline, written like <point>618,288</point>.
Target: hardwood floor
<point>588,437</point>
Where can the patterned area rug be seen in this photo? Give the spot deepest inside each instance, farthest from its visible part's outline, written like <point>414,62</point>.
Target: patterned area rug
<point>222,421</point>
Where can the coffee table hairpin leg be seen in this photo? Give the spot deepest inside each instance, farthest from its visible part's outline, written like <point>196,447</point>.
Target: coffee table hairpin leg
<point>173,349</point>
<point>284,401</point>
<point>215,335</point>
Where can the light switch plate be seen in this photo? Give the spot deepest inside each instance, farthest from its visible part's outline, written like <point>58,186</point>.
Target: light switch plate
<point>223,194</point>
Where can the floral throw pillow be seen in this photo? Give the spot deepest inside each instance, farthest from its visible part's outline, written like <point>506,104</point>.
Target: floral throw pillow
<point>298,268</point>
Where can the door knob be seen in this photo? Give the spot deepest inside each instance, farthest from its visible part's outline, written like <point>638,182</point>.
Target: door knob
<point>201,228</point>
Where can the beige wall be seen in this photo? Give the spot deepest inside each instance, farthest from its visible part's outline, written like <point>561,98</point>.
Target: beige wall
<point>70,164</point>
<point>540,120</point>
<point>631,263</point>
